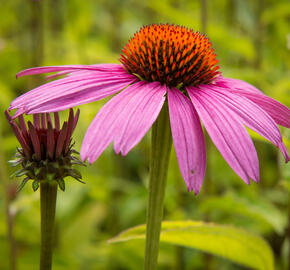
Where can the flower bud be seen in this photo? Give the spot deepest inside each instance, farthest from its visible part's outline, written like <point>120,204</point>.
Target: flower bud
<point>46,152</point>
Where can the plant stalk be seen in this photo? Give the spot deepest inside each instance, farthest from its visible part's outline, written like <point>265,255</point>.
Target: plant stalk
<point>160,154</point>
<point>48,193</point>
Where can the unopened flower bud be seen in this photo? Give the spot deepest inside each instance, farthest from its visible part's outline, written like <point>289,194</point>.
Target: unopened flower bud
<point>46,152</point>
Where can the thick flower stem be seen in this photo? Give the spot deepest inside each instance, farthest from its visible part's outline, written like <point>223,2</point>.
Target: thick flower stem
<point>48,191</point>
<point>160,153</point>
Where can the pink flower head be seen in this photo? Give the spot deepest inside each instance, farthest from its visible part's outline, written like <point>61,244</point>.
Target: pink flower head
<point>165,63</point>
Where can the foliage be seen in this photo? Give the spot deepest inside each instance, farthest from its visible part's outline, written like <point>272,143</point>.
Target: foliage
<point>234,244</point>
<point>252,41</point>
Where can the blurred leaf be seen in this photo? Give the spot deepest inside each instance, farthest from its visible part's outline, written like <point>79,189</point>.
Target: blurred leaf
<point>278,11</point>
<point>286,185</point>
<point>232,243</point>
<point>5,95</point>
<point>260,210</point>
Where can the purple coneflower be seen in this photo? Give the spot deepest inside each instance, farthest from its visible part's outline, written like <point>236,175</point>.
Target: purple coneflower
<point>165,63</point>
<point>46,152</point>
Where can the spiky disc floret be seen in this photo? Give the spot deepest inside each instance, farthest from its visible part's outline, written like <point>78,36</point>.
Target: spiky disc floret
<point>172,55</point>
<point>47,151</point>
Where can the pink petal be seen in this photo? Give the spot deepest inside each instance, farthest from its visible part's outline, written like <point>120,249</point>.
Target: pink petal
<point>236,84</point>
<point>76,82</point>
<point>114,118</point>
<point>48,69</point>
<point>188,139</point>
<point>228,134</point>
<point>279,112</point>
<point>249,113</point>
<point>78,98</point>
<point>138,116</point>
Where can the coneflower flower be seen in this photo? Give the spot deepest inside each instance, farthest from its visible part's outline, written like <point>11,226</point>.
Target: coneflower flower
<point>165,63</point>
<point>46,152</point>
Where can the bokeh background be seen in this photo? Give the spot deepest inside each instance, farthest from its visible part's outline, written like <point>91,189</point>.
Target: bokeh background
<point>252,40</point>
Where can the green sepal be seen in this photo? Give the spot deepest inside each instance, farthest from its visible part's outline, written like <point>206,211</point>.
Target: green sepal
<point>72,151</point>
<point>66,167</point>
<point>72,144</point>
<point>15,162</point>
<point>79,180</point>
<point>76,161</point>
<point>61,184</point>
<point>37,171</point>
<point>29,163</point>
<point>80,163</point>
<point>25,180</point>
<point>76,175</point>
<point>19,151</point>
<point>47,169</point>
<point>35,185</point>
<point>23,172</point>
<point>18,172</point>
<point>18,155</point>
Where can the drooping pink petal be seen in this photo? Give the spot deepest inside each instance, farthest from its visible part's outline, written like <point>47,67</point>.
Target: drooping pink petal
<point>87,73</point>
<point>76,82</point>
<point>228,134</point>
<point>236,84</point>
<point>249,113</point>
<point>279,112</point>
<point>117,113</point>
<point>138,116</point>
<point>188,139</point>
<point>78,98</point>
<point>52,88</point>
<point>48,69</point>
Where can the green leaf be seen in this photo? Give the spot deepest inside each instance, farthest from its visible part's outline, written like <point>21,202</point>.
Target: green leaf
<point>229,242</point>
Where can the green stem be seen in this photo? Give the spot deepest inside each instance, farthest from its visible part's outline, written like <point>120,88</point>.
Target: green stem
<point>48,191</point>
<point>160,153</point>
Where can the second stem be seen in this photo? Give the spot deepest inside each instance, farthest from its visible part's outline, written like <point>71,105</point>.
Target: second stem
<point>48,192</point>
<point>160,154</point>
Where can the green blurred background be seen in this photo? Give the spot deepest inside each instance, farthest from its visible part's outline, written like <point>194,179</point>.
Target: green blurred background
<point>252,41</point>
